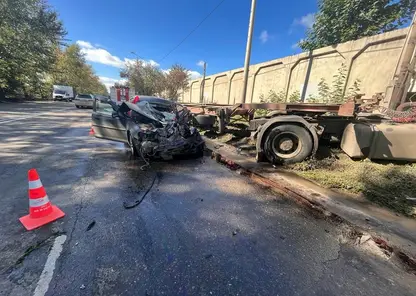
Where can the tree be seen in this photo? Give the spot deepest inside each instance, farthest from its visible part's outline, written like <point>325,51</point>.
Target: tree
<point>151,80</point>
<point>144,77</point>
<point>71,69</point>
<point>339,21</point>
<point>177,79</point>
<point>30,31</point>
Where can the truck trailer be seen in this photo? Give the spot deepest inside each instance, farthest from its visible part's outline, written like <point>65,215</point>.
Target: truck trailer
<point>292,132</point>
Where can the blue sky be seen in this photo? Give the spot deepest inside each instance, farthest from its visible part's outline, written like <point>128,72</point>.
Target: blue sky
<point>109,30</point>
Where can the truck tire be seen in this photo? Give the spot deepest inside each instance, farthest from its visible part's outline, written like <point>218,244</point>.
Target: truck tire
<point>206,121</point>
<point>288,143</point>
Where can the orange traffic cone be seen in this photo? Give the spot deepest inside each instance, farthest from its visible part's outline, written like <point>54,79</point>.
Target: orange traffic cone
<point>91,132</point>
<point>41,211</point>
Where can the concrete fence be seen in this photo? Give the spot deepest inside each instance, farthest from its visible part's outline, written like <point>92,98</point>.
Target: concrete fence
<point>372,60</point>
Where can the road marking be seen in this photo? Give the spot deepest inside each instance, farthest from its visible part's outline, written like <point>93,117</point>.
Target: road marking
<point>47,273</point>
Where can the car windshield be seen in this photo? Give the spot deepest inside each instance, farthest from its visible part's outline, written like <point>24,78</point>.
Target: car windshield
<point>84,97</point>
<point>59,92</point>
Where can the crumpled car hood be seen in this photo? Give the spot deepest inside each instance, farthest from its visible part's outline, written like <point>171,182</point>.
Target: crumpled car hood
<point>161,134</point>
<point>143,109</point>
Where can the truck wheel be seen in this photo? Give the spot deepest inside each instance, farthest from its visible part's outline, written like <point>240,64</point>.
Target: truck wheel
<point>287,144</point>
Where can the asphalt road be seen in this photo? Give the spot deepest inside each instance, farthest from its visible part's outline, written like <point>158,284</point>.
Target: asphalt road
<point>202,229</point>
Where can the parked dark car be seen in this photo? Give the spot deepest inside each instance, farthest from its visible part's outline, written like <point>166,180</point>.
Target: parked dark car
<point>153,127</point>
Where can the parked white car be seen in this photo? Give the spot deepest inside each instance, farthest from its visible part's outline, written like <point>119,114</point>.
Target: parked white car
<point>84,101</point>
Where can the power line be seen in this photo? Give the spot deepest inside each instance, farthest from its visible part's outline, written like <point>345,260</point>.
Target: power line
<point>187,36</point>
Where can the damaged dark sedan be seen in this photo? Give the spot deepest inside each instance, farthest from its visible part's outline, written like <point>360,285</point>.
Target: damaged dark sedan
<point>152,127</point>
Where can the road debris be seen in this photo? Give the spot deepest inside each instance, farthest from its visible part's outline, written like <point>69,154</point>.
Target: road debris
<point>91,225</point>
<point>82,287</point>
<point>139,201</point>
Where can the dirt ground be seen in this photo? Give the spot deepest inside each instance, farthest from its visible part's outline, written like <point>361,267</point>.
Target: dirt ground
<point>391,185</point>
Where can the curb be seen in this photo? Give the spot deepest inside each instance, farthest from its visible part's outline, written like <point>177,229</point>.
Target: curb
<point>364,227</point>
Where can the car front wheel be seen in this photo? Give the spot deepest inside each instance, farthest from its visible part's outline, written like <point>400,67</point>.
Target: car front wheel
<point>133,149</point>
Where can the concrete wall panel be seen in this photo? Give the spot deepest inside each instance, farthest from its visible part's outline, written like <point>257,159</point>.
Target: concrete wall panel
<point>371,59</point>
<point>195,91</point>
<point>220,89</point>
<point>236,87</point>
<point>269,78</point>
<point>375,67</point>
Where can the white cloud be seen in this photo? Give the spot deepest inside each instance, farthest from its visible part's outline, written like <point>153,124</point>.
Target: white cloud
<point>200,63</point>
<point>195,75</point>
<point>296,45</point>
<point>153,63</point>
<point>102,56</point>
<point>264,36</point>
<point>108,81</point>
<point>84,44</point>
<point>306,21</point>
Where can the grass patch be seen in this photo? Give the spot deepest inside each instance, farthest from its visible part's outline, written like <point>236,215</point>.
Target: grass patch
<point>386,184</point>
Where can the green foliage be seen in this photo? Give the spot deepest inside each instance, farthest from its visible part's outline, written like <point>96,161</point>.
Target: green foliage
<point>273,97</point>
<point>339,21</point>
<point>312,99</point>
<point>151,80</point>
<point>144,77</point>
<point>71,69</point>
<point>30,31</point>
<point>336,95</point>
<point>294,97</point>
<point>355,88</point>
<point>385,184</point>
<point>323,91</point>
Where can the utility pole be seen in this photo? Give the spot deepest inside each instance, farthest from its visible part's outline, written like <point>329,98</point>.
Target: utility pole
<point>201,98</point>
<point>137,57</point>
<point>248,50</point>
<point>397,91</point>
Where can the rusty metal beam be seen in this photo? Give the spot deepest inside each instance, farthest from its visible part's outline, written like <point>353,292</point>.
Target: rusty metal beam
<point>346,109</point>
<point>316,108</point>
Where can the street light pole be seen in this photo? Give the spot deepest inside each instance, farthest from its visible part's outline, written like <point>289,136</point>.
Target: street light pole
<point>137,57</point>
<point>201,98</point>
<point>248,50</point>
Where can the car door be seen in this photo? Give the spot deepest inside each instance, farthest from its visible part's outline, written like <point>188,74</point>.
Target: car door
<point>107,124</point>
